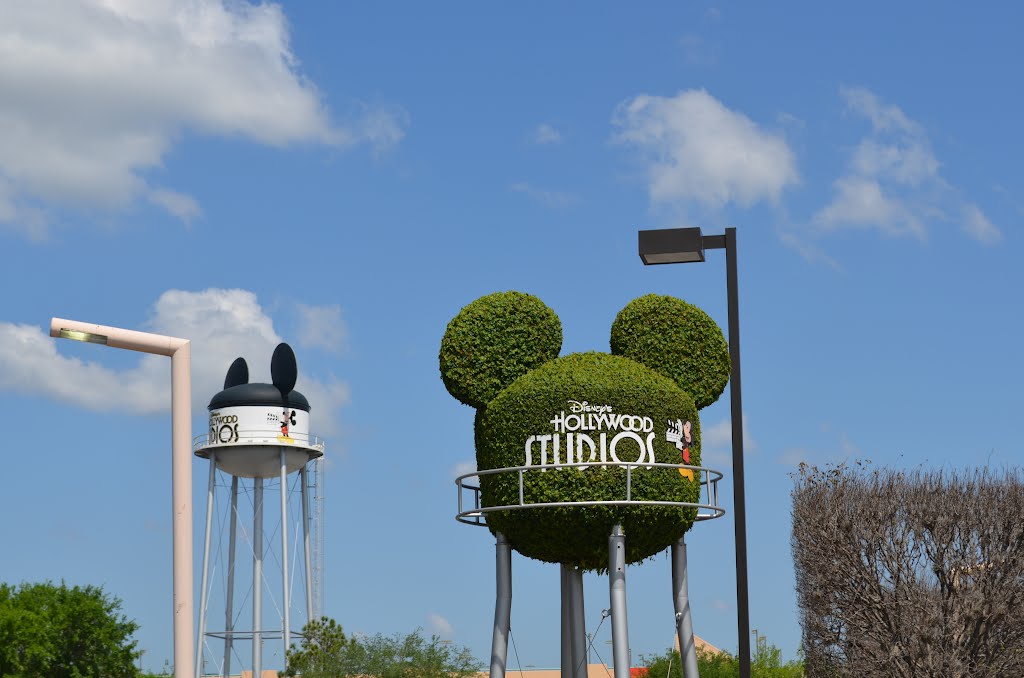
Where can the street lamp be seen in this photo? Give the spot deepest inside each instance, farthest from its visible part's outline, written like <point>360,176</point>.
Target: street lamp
<point>685,245</point>
<point>180,353</point>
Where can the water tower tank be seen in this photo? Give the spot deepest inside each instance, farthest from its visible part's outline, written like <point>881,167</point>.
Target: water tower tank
<point>250,425</point>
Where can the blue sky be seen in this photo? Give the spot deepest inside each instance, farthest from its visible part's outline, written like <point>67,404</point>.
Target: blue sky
<point>347,177</point>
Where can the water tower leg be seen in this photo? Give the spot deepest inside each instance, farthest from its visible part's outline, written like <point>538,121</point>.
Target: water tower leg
<point>681,598</point>
<point>286,622</point>
<point>578,627</point>
<point>502,606</point>
<point>206,566</point>
<point>229,613</point>
<point>257,578</point>
<point>306,552</point>
<point>617,593</point>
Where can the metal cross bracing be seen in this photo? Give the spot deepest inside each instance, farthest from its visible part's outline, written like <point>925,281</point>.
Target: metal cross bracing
<point>242,517</point>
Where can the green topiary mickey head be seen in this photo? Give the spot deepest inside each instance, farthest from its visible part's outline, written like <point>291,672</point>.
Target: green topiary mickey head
<point>639,404</point>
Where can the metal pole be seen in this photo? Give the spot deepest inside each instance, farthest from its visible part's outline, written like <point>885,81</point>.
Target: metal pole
<point>577,626</point>
<point>502,606</point>
<point>567,663</point>
<point>181,497</point>
<point>229,621</point>
<point>206,565</point>
<point>739,493</point>
<point>305,543</point>
<point>681,599</point>
<point>617,594</point>
<point>257,578</point>
<point>180,353</point>
<point>286,622</point>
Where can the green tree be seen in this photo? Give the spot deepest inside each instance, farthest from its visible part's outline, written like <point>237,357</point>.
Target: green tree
<point>766,663</point>
<point>166,672</point>
<point>53,631</point>
<point>323,646</point>
<point>327,653</point>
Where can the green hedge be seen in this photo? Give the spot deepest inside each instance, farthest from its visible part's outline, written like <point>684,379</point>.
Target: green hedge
<point>495,340</point>
<point>579,535</point>
<point>676,339</point>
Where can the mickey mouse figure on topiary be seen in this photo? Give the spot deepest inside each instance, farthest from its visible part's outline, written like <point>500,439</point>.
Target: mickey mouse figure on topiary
<point>637,405</point>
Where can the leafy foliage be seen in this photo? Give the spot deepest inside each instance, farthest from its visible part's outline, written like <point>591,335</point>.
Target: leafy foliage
<point>676,339</point>
<point>51,631</point>
<point>322,644</point>
<point>327,653</point>
<point>494,340</point>
<point>579,535</point>
<point>910,574</point>
<point>765,663</point>
<point>499,355</point>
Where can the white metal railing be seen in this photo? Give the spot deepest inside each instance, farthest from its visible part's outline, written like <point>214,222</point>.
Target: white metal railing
<point>258,437</point>
<point>477,514</point>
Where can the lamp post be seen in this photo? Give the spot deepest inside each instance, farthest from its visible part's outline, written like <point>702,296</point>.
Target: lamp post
<point>180,353</point>
<point>687,245</point>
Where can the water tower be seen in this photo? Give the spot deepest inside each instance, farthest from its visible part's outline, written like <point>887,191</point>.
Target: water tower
<point>259,435</point>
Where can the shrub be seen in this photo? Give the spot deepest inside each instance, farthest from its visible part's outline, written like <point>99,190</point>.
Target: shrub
<point>676,339</point>
<point>579,535</point>
<point>494,340</point>
<point>499,355</point>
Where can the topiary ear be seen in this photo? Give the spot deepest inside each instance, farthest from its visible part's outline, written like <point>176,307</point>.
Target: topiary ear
<point>495,340</point>
<point>677,339</point>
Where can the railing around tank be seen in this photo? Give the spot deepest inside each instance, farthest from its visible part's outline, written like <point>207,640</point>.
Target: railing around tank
<point>477,514</point>
<point>258,437</point>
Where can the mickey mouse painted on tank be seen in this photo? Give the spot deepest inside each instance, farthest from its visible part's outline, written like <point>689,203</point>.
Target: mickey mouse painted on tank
<point>636,405</point>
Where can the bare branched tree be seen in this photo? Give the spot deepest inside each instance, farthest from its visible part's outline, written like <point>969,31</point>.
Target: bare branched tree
<point>910,574</point>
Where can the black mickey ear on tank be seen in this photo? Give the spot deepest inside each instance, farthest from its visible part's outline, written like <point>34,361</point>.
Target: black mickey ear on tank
<point>677,339</point>
<point>495,340</point>
<point>238,374</point>
<point>283,369</point>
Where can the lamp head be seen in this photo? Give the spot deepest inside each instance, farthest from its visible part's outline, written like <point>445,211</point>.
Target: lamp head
<point>77,335</point>
<point>671,246</point>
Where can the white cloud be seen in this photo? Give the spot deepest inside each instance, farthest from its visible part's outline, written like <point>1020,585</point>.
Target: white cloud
<point>716,443</point>
<point>381,127</point>
<point>843,449</point>
<point>807,249</point>
<point>977,225</point>
<point>695,149</point>
<point>846,446</point>
<point>883,117</point>
<point>462,468</point>
<point>794,456</point>
<point>860,202</point>
<point>322,327</point>
<point>546,134</point>
<point>893,184</point>
<point>221,324</point>
<point>439,626</point>
<point>543,196</point>
<point>184,207</point>
<point>95,92</point>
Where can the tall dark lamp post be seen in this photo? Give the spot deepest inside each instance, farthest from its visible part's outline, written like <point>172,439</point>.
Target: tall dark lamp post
<point>685,245</point>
